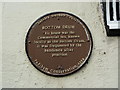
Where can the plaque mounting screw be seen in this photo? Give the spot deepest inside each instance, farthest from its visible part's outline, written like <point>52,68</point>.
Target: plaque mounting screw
<point>29,42</point>
<point>88,40</point>
<point>60,67</point>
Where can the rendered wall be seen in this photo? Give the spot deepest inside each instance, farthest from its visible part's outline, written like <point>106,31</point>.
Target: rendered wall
<point>17,71</point>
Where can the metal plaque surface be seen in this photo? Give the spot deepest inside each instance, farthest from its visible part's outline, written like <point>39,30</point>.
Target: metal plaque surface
<point>58,43</point>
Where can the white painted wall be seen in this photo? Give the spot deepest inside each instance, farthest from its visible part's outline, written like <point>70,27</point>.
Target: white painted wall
<point>0,45</point>
<point>18,72</point>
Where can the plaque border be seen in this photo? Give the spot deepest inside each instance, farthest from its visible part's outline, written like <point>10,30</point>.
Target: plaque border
<point>27,35</point>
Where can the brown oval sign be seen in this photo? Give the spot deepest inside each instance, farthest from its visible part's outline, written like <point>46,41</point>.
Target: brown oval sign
<point>58,43</point>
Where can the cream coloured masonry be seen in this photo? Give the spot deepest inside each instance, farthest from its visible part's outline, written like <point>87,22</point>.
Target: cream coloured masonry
<point>17,72</point>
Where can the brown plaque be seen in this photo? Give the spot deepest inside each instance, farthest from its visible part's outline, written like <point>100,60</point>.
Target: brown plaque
<point>58,43</point>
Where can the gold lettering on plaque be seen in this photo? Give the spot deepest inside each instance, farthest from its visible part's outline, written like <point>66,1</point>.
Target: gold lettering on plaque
<point>58,43</point>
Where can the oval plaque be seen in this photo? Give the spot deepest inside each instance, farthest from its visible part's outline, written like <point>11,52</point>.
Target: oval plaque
<point>58,43</point>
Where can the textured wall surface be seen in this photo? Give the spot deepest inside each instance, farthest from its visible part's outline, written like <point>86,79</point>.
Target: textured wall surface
<point>101,70</point>
<point>0,45</point>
